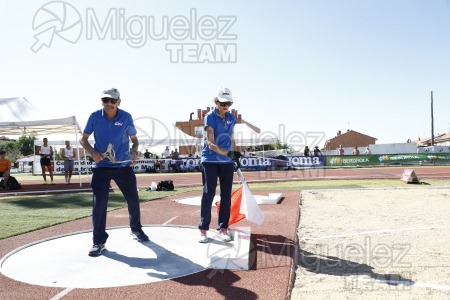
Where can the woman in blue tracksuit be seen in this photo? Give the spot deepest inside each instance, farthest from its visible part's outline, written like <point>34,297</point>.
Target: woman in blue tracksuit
<point>218,161</point>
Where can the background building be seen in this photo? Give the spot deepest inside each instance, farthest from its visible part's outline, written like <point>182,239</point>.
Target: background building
<point>194,127</point>
<point>349,139</point>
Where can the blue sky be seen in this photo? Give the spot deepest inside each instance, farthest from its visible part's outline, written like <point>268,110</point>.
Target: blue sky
<point>301,66</point>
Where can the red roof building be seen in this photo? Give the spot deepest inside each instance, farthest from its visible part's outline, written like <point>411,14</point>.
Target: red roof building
<point>349,139</point>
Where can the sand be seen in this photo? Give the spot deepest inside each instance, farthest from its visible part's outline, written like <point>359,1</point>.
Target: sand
<point>374,244</point>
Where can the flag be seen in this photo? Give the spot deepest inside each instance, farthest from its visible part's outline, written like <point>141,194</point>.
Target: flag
<point>236,199</point>
<point>249,207</point>
<point>243,205</point>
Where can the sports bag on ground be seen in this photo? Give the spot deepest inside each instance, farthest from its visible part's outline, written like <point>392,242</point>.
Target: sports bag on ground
<point>12,183</point>
<point>165,185</point>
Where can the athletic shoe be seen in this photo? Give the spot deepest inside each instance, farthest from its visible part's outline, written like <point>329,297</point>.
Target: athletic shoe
<point>97,250</point>
<point>45,182</point>
<point>52,182</point>
<point>224,235</point>
<point>203,239</point>
<point>140,235</point>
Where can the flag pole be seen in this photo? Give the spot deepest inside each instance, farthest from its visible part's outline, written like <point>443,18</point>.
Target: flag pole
<point>240,175</point>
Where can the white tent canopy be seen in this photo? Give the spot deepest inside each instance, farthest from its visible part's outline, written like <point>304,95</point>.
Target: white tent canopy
<point>40,127</point>
<point>28,158</point>
<point>18,117</point>
<point>16,109</point>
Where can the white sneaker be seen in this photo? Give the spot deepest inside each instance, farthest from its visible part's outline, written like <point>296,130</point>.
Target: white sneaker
<point>225,236</point>
<point>203,239</point>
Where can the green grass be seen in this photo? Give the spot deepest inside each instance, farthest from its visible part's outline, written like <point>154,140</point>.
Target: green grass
<point>21,214</point>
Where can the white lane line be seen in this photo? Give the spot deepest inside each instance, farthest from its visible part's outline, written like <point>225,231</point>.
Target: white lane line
<point>62,293</point>
<point>373,232</point>
<point>170,220</point>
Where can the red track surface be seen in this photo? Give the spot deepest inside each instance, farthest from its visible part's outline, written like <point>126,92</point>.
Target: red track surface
<point>194,179</point>
<point>272,258</point>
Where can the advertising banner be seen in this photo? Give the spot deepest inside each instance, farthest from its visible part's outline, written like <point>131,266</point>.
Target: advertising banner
<point>352,160</point>
<point>259,163</point>
<point>386,159</point>
<point>58,167</point>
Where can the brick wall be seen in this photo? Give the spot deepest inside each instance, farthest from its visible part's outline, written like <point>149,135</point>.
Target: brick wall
<point>350,138</point>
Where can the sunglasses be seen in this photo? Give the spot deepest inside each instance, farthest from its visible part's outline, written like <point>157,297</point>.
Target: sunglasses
<point>112,100</point>
<point>223,104</point>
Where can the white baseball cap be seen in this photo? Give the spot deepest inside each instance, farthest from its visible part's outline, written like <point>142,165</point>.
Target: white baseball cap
<point>111,93</point>
<point>224,95</point>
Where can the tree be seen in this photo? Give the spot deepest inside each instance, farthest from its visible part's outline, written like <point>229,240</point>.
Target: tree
<point>275,146</point>
<point>26,144</point>
<point>11,149</point>
<point>23,146</point>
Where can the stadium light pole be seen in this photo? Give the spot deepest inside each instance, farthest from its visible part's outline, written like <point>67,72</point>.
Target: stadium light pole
<point>432,121</point>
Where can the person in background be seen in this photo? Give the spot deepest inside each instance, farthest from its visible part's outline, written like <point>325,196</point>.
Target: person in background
<point>218,161</point>
<point>113,129</point>
<point>174,163</point>
<point>69,155</point>
<point>356,151</point>
<point>306,152</point>
<point>5,168</point>
<point>317,151</point>
<point>340,150</point>
<point>46,153</point>
<point>367,151</point>
<point>166,153</point>
<point>175,154</point>
<point>158,163</point>
<point>147,154</point>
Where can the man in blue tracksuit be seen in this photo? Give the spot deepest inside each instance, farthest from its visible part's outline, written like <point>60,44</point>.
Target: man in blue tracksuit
<point>217,161</point>
<point>113,129</point>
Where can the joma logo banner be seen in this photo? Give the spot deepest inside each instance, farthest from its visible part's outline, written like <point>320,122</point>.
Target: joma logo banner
<point>296,161</point>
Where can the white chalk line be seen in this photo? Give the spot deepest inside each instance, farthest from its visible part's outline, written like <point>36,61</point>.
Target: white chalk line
<point>62,294</point>
<point>170,220</point>
<point>372,232</point>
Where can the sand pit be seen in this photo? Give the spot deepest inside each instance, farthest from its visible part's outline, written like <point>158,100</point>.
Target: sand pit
<point>374,244</point>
